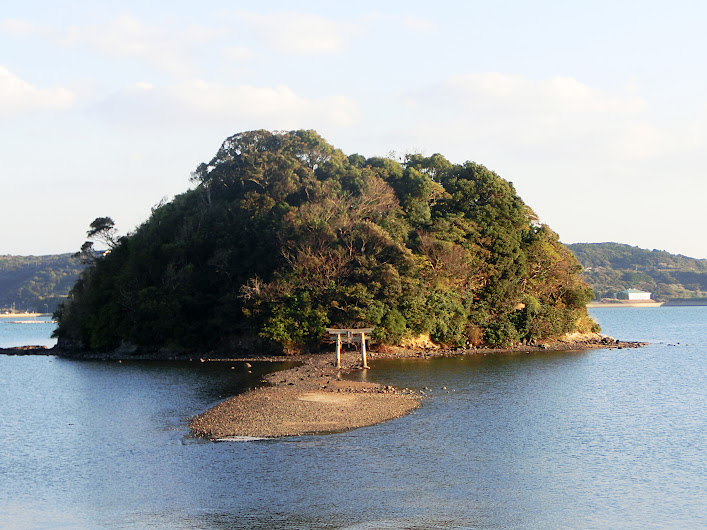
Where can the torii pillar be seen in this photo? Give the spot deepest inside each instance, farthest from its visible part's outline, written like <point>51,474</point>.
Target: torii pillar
<point>363,350</point>
<point>350,332</point>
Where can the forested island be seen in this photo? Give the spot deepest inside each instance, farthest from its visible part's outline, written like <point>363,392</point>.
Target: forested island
<point>284,235</point>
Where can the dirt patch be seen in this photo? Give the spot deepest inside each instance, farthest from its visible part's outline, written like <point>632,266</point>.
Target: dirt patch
<point>326,397</point>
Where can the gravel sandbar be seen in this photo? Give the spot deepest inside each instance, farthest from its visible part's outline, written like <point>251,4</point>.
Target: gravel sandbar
<point>308,399</point>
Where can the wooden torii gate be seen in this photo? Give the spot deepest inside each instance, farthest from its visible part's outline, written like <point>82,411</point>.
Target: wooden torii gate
<point>351,334</point>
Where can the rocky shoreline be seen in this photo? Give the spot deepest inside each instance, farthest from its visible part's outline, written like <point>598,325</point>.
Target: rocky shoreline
<point>571,342</point>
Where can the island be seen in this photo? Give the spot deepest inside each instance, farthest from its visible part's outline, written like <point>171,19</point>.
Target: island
<point>283,236</point>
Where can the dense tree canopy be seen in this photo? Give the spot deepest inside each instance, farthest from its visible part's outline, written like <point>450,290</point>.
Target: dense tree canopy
<point>284,235</point>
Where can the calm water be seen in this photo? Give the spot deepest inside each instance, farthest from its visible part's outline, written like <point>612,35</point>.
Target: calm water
<point>37,333</point>
<point>600,439</point>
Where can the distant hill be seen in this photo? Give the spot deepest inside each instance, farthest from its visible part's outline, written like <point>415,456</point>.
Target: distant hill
<point>613,267</point>
<point>36,283</point>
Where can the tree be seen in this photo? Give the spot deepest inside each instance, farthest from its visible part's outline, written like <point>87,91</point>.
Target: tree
<point>103,229</point>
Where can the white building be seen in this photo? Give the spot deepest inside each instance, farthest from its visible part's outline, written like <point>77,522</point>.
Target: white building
<point>633,294</point>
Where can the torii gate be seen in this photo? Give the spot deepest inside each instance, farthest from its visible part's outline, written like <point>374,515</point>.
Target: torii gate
<point>351,334</point>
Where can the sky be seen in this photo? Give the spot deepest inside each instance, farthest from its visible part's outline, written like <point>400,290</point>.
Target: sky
<point>596,111</point>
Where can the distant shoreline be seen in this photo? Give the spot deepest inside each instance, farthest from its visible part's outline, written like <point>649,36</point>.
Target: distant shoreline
<point>675,302</point>
<point>24,315</point>
<point>628,303</point>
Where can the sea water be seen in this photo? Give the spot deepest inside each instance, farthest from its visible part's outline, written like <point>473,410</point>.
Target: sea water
<point>595,439</point>
<point>26,331</point>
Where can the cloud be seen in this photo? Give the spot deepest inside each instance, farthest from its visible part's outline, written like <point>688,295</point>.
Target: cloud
<point>419,25</point>
<point>238,53</point>
<point>163,47</point>
<point>546,118</point>
<point>198,102</point>
<point>128,37</point>
<point>17,27</point>
<point>17,96</point>
<point>298,33</point>
<point>516,93</point>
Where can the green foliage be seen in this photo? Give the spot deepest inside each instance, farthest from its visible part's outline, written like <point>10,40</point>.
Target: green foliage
<point>612,267</point>
<point>283,235</point>
<point>36,283</point>
<point>501,332</point>
<point>392,328</point>
<point>295,322</point>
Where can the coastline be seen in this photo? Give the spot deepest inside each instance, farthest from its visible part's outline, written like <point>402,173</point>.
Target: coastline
<point>314,399</point>
<point>24,315</point>
<point>627,303</point>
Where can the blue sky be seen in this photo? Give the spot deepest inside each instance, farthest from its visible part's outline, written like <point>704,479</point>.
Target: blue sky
<point>596,111</point>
